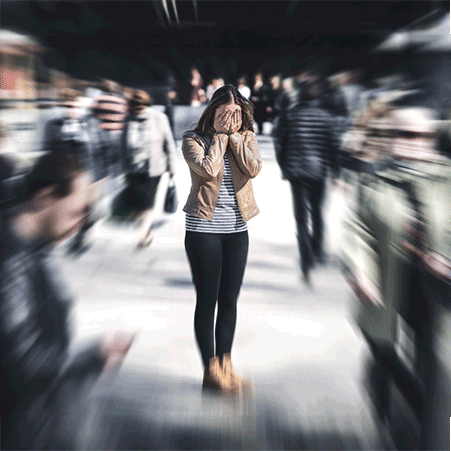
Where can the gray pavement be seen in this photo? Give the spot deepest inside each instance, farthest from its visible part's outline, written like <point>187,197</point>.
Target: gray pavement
<point>298,345</point>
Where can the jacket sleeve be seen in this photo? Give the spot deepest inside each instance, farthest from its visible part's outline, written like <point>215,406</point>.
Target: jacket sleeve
<point>247,153</point>
<point>29,353</point>
<point>169,144</point>
<point>204,163</point>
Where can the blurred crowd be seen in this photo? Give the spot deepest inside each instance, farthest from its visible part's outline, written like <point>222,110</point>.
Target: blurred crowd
<point>105,153</point>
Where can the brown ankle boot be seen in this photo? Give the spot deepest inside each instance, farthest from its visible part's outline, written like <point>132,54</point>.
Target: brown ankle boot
<point>214,376</point>
<point>229,374</point>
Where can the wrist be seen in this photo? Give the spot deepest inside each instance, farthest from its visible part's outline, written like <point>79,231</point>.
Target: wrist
<point>221,135</point>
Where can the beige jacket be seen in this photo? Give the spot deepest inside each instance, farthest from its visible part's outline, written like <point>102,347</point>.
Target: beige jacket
<point>152,140</point>
<point>205,158</point>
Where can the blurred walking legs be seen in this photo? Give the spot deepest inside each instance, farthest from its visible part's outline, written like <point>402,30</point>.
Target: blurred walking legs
<point>144,196</point>
<point>145,230</point>
<point>308,198</point>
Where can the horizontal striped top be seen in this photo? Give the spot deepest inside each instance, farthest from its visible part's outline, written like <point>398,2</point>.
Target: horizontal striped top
<point>111,110</point>
<point>227,216</point>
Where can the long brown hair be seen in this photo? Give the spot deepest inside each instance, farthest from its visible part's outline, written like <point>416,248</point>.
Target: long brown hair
<point>224,96</point>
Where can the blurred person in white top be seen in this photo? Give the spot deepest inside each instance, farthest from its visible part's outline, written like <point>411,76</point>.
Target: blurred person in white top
<point>243,88</point>
<point>152,148</point>
<point>215,84</point>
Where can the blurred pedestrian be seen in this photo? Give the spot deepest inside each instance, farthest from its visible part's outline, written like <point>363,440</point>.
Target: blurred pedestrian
<point>215,84</point>
<point>7,193</point>
<point>111,109</point>
<point>352,90</point>
<point>128,96</point>
<point>306,150</point>
<point>274,95</point>
<point>243,87</point>
<point>210,89</point>
<point>223,156</point>
<point>290,94</point>
<point>197,96</point>
<point>70,125</point>
<point>70,134</point>
<point>152,150</point>
<point>334,101</point>
<point>35,307</point>
<point>171,100</point>
<point>397,260</point>
<point>106,123</point>
<point>259,97</point>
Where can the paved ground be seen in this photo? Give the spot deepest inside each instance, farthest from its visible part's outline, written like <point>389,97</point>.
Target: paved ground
<point>299,345</point>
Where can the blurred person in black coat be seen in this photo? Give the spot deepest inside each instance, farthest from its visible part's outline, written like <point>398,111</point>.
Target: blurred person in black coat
<point>37,370</point>
<point>274,97</point>
<point>260,99</point>
<point>306,150</point>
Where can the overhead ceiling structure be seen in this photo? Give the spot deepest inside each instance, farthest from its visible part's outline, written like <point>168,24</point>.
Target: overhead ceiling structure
<point>434,37</point>
<point>138,42</point>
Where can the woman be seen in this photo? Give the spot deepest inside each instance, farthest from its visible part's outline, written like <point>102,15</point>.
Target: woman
<point>152,148</point>
<point>223,156</point>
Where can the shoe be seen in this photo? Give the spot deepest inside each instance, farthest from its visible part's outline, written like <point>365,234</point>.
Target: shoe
<point>78,247</point>
<point>306,279</point>
<point>145,243</point>
<point>237,383</point>
<point>214,377</point>
<point>229,374</point>
<point>321,259</point>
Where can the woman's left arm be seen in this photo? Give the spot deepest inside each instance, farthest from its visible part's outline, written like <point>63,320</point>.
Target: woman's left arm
<point>247,153</point>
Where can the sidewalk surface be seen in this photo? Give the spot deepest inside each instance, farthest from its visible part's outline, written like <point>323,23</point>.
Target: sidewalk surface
<point>297,344</point>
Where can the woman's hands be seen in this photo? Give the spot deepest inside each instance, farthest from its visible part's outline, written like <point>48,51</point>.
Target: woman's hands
<point>236,122</point>
<point>228,122</point>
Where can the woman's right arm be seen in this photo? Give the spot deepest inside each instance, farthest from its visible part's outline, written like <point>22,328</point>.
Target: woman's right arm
<point>204,164</point>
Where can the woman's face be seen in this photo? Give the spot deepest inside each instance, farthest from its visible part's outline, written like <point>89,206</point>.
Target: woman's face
<point>232,107</point>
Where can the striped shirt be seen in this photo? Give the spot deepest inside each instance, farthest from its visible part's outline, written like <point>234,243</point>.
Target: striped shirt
<point>227,216</point>
<point>111,110</point>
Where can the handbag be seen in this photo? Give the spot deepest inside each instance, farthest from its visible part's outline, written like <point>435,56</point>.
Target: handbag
<point>171,200</point>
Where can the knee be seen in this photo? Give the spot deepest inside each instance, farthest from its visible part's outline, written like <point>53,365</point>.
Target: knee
<point>227,308</point>
<point>204,309</point>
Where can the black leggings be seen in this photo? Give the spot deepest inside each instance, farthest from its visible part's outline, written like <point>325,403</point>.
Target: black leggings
<point>217,264</point>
